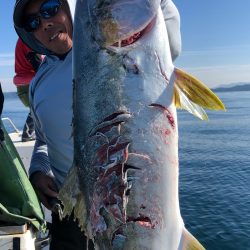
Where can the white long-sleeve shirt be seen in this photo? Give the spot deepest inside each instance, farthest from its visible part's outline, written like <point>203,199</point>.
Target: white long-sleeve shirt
<point>51,106</point>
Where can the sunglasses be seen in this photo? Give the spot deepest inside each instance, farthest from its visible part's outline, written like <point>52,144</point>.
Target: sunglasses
<point>47,10</point>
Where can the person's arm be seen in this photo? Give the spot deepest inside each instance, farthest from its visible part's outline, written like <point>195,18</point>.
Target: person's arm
<point>172,21</point>
<point>41,176</point>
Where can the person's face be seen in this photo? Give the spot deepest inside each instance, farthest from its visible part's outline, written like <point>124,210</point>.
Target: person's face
<point>54,33</point>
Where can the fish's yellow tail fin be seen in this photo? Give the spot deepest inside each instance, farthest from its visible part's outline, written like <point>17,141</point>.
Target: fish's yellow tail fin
<point>192,95</point>
<point>189,242</point>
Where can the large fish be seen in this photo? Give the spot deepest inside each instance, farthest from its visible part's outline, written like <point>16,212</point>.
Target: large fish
<point>123,186</point>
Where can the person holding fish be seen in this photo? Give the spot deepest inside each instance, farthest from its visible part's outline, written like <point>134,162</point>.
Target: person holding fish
<point>46,26</point>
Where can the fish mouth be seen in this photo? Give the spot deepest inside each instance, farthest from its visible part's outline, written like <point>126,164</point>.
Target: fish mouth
<point>135,36</point>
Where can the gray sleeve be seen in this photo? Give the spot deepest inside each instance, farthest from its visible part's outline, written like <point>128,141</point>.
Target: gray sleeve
<point>39,160</point>
<point>172,21</point>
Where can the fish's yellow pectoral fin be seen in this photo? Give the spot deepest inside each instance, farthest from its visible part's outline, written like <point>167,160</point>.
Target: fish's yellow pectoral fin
<point>192,95</point>
<point>189,242</point>
<point>72,198</point>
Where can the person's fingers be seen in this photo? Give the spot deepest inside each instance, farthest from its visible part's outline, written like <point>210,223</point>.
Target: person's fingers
<point>43,199</point>
<point>50,189</point>
<point>45,188</point>
<point>52,185</point>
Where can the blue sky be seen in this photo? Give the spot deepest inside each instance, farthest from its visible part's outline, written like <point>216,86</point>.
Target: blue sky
<point>215,41</point>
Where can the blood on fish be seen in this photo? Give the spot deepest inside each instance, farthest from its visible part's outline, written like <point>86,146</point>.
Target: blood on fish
<point>163,131</point>
<point>145,224</point>
<point>161,69</point>
<point>168,113</point>
<point>109,189</point>
<point>167,132</point>
<point>128,41</point>
<point>111,185</point>
<point>105,151</point>
<point>102,154</point>
<point>118,147</point>
<point>132,39</point>
<point>142,220</point>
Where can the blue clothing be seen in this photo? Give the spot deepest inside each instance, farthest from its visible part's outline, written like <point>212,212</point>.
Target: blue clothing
<point>51,106</point>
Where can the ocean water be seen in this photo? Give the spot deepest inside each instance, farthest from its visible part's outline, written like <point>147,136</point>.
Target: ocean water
<point>15,110</point>
<point>214,170</point>
<point>215,174</point>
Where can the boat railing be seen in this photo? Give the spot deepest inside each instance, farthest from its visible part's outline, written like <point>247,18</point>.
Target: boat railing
<point>11,123</point>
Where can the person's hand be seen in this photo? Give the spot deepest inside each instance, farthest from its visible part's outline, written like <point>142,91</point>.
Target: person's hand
<point>45,188</point>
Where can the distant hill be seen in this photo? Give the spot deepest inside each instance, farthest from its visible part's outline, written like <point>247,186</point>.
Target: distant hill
<point>233,87</point>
